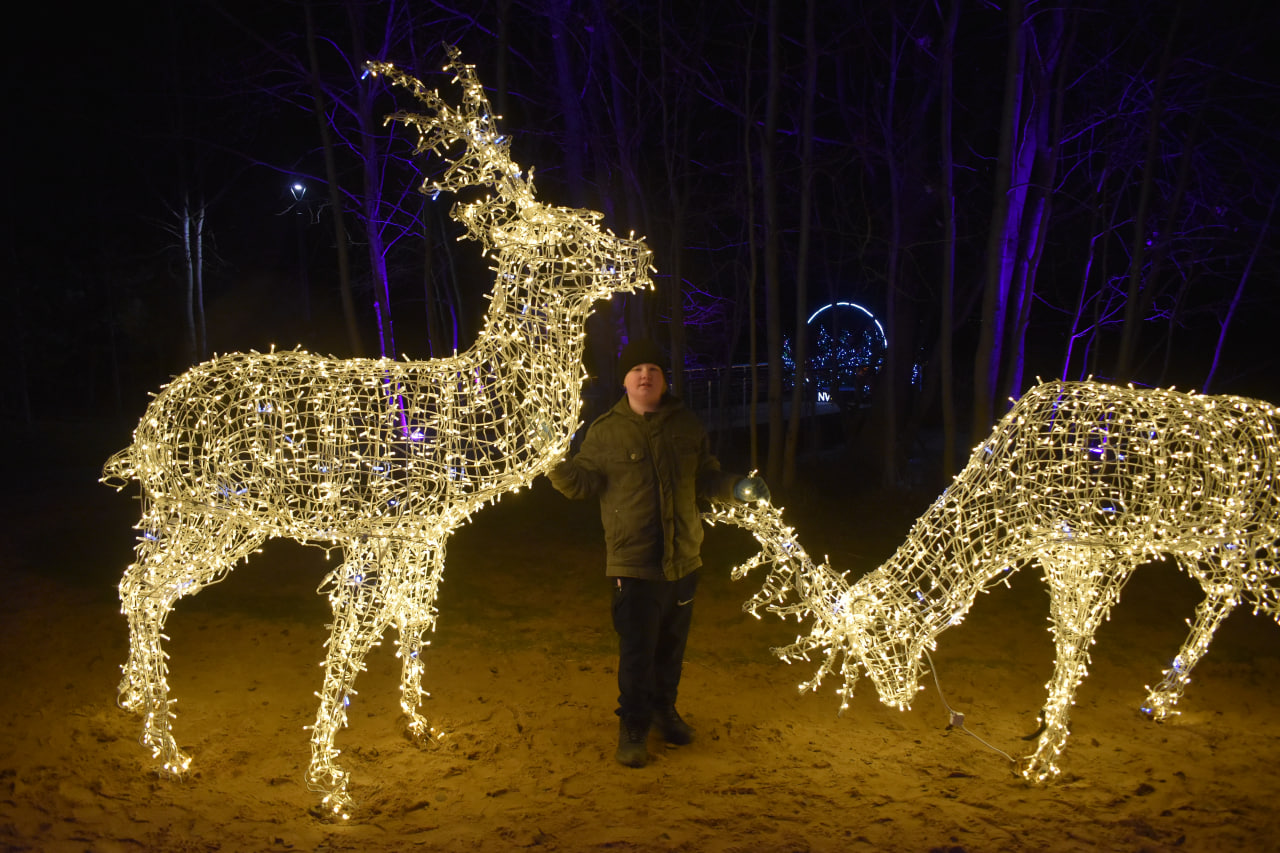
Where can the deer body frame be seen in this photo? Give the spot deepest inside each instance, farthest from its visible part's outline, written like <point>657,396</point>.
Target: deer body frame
<point>1089,481</point>
<point>382,458</point>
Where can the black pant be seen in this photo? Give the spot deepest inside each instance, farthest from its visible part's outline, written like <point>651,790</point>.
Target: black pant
<point>652,620</point>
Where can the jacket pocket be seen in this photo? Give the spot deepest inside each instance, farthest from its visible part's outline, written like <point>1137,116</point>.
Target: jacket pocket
<point>628,509</point>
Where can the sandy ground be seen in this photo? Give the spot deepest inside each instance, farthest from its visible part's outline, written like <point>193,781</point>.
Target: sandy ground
<point>521,673</point>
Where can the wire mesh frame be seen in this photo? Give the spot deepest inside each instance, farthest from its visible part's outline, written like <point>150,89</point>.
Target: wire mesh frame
<point>1089,481</point>
<point>378,457</point>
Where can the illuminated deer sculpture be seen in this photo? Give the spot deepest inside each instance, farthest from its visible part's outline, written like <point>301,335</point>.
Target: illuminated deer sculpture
<point>1086,479</point>
<point>383,458</point>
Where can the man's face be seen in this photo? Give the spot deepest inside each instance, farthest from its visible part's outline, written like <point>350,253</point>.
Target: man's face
<point>645,385</point>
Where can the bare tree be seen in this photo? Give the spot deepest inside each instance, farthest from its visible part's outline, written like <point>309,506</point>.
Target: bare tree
<point>320,110</point>
<point>1003,239</point>
<point>798,392</point>
<point>187,227</point>
<point>772,239</point>
<point>947,285</point>
<point>1138,296</point>
<point>1237,296</point>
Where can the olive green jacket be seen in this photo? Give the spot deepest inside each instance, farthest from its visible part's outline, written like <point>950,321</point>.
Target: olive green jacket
<point>649,473</point>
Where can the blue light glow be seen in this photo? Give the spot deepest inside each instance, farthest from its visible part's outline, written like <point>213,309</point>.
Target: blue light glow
<point>883,337</point>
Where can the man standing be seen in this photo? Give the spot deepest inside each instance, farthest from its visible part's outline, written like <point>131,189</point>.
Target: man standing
<point>648,460</point>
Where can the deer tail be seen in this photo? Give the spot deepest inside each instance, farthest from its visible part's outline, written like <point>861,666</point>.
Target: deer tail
<point>119,469</point>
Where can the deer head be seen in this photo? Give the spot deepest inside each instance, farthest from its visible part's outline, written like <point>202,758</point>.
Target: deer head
<point>882,637</point>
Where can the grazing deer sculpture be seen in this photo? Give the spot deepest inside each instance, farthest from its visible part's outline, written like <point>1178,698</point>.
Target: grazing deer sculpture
<point>382,458</point>
<point>1088,480</point>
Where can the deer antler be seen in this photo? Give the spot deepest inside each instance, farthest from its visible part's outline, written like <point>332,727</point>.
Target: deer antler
<point>821,593</point>
<point>514,218</point>
<point>486,159</point>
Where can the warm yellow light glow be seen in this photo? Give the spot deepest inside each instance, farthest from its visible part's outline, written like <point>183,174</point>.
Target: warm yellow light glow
<point>1087,480</point>
<point>382,458</point>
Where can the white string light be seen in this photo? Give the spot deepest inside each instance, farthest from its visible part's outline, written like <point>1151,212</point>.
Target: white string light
<point>382,458</point>
<point>1088,480</point>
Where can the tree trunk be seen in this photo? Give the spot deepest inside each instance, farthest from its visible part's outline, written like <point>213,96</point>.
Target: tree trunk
<point>772,284</point>
<point>188,275</point>
<point>995,292</point>
<point>675,134</point>
<point>335,190</point>
<point>947,320</point>
<point>1043,124</point>
<point>1239,292</point>
<point>798,391</point>
<point>1133,306</point>
<point>602,339</point>
<point>202,331</point>
<point>625,112</point>
<point>888,400</point>
<point>371,198</point>
<point>753,269</point>
<point>1082,297</point>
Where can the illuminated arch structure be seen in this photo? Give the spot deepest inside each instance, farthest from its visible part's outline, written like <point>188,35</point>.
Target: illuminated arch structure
<point>382,458</point>
<point>846,350</point>
<point>1087,480</point>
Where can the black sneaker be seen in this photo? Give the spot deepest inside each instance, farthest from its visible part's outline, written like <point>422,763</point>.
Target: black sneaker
<point>673,729</point>
<point>632,735</point>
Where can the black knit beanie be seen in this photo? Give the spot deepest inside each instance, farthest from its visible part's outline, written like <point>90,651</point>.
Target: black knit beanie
<point>642,351</point>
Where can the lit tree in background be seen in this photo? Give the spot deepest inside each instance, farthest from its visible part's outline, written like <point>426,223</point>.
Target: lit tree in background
<point>846,351</point>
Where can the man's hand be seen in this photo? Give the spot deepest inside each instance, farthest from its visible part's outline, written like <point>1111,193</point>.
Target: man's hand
<point>751,489</point>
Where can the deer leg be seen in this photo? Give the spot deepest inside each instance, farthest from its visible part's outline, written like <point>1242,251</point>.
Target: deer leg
<point>144,687</point>
<point>359,619</point>
<point>416,619</point>
<point>411,668</point>
<point>178,554</point>
<point>1083,585</point>
<point>1220,599</point>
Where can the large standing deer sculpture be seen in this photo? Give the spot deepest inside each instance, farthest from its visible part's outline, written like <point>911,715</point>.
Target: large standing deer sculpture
<point>383,458</point>
<point>1086,479</point>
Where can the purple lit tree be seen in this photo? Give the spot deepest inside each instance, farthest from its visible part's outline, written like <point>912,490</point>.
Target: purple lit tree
<point>366,169</point>
<point>1176,171</point>
<point>1027,159</point>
